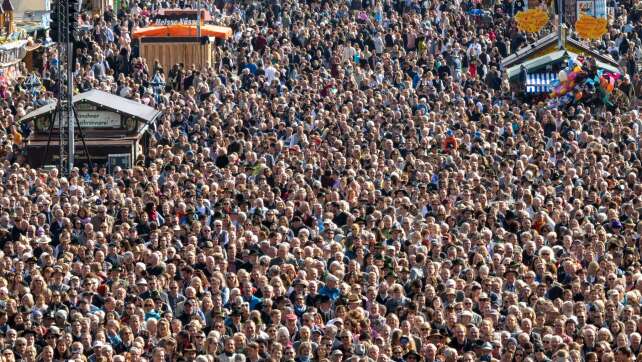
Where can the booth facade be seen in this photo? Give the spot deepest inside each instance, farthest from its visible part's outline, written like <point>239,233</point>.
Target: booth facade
<point>179,43</point>
<point>116,131</point>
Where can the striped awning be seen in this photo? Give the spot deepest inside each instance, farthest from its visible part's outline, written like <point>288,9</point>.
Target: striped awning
<point>540,82</point>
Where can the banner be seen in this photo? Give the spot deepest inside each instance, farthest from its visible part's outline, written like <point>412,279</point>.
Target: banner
<point>600,9</point>
<point>586,7</point>
<point>532,20</point>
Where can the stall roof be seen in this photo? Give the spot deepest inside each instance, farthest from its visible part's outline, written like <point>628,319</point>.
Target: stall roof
<point>549,44</point>
<point>542,61</point>
<point>107,100</point>
<point>181,30</point>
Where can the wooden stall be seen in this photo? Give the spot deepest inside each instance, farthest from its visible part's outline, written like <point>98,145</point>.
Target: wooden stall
<point>172,50</point>
<point>178,43</point>
<point>116,130</point>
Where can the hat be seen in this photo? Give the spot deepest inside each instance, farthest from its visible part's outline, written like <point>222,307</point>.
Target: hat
<point>156,294</point>
<point>141,281</point>
<point>53,331</point>
<point>391,274</point>
<point>62,314</point>
<point>487,346</point>
<point>27,332</point>
<point>412,353</point>
<point>36,314</point>
<point>43,240</point>
<point>298,281</point>
<point>436,334</point>
<point>354,298</point>
<point>317,330</point>
<point>509,271</point>
<point>291,317</point>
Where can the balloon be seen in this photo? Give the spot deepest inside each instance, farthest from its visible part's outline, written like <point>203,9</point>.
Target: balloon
<point>569,63</point>
<point>578,95</point>
<point>572,75</point>
<point>577,69</point>
<point>562,76</point>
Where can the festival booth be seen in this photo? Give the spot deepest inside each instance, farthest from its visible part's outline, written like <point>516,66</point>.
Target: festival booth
<point>174,38</point>
<point>561,69</point>
<point>542,69</point>
<point>11,53</point>
<point>116,130</point>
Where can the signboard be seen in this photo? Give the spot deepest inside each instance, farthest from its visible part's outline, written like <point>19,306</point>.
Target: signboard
<point>586,7</point>
<point>589,27</point>
<point>532,20</point>
<point>91,119</point>
<point>176,18</point>
<point>118,159</point>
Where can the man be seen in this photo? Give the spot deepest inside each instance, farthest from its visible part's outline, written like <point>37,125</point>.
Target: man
<point>460,342</point>
<point>229,352</point>
<point>588,337</point>
<point>627,88</point>
<point>102,217</point>
<point>248,295</point>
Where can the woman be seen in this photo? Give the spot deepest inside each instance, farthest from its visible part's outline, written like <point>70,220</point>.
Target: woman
<point>323,351</point>
<point>163,329</point>
<point>61,353</point>
<point>47,354</point>
<point>212,344</point>
<point>304,352</point>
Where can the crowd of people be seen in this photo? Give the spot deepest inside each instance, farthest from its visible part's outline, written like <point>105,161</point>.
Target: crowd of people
<point>349,181</point>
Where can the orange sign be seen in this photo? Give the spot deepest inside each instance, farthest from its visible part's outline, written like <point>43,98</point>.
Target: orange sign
<point>532,20</point>
<point>589,27</point>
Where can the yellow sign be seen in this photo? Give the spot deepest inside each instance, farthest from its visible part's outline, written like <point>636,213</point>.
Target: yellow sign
<point>589,27</point>
<point>532,20</point>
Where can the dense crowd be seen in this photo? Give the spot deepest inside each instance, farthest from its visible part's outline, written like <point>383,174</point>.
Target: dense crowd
<point>350,181</point>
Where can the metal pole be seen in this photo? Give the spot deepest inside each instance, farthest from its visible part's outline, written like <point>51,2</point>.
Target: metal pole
<point>560,21</point>
<point>61,74</point>
<point>198,19</point>
<point>69,94</point>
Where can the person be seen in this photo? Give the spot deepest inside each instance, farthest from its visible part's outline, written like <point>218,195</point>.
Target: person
<point>340,182</point>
